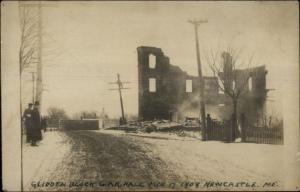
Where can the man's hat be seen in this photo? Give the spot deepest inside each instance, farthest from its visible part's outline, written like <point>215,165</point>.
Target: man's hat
<point>36,103</point>
<point>30,104</point>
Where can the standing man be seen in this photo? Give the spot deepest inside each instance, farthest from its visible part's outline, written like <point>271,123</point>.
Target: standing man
<point>27,121</point>
<point>35,132</point>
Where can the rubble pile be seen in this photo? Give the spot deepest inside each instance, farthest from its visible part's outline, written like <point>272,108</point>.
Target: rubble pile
<point>156,126</point>
<point>165,125</point>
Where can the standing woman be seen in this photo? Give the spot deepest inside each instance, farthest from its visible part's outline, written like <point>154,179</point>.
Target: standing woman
<point>36,124</point>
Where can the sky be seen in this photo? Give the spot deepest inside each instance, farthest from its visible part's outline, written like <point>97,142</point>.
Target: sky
<point>93,41</point>
<point>97,40</point>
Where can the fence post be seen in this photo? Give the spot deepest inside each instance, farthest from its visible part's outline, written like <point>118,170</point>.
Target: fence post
<point>209,127</point>
<point>229,131</point>
<point>59,124</point>
<point>243,127</point>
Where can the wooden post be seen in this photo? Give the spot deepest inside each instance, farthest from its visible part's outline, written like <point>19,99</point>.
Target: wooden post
<point>201,79</point>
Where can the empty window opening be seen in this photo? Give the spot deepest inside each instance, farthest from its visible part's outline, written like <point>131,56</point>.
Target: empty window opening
<point>250,84</point>
<point>152,84</point>
<point>152,61</point>
<point>188,86</point>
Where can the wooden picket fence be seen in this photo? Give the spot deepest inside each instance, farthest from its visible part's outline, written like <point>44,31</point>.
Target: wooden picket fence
<point>218,130</point>
<point>221,131</point>
<point>264,135</point>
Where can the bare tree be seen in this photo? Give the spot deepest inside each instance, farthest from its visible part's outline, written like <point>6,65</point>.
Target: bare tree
<point>28,53</point>
<point>233,81</point>
<point>88,115</point>
<point>57,113</point>
<point>31,44</point>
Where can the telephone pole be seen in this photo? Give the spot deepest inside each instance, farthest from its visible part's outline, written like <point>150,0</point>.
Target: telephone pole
<point>37,6</point>
<point>196,24</point>
<point>39,83</point>
<point>33,81</point>
<point>120,87</point>
<point>27,5</point>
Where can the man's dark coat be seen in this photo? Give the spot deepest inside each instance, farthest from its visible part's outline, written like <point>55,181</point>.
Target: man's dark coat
<point>35,133</point>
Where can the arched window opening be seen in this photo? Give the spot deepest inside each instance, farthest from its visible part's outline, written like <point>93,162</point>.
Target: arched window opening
<point>152,61</point>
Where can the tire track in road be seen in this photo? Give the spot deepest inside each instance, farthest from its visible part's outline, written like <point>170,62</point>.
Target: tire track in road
<point>108,157</point>
<point>125,154</point>
<point>104,157</point>
<point>205,162</point>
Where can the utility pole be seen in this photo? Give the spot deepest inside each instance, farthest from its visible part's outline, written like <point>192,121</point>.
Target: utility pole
<point>33,81</point>
<point>39,84</point>
<point>196,24</point>
<point>120,87</point>
<point>38,6</point>
<point>39,67</point>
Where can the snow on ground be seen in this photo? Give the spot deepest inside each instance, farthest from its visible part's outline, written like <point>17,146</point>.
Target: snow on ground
<point>42,159</point>
<point>96,155</point>
<point>155,135</point>
<point>216,161</point>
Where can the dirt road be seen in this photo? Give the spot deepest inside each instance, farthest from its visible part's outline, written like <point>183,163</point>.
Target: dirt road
<point>93,160</point>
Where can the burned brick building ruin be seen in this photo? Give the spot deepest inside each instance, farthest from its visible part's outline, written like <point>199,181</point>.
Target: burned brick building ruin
<point>167,92</point>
